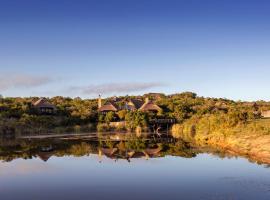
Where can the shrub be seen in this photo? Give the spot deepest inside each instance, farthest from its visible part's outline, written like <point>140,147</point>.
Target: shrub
<point>101,127</point>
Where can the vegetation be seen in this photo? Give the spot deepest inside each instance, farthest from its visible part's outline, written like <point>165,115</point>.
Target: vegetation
<point>17,115</point>
<point>232,125</point>
<point>136,119</point>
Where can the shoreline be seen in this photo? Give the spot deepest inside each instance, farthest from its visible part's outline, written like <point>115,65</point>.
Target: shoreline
<point>254,148</point>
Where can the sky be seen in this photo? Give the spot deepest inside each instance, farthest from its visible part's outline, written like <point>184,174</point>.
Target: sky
<point>119,47</point>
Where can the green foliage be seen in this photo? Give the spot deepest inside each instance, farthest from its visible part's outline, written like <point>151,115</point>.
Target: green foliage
<point>19,115</point>
<point>122,114</point>
<point>81,149</point>
<point>101,118</point>
<point>136,119</point>
<point>135,144</point>
<point>110,116</point>
<point>101,127</point>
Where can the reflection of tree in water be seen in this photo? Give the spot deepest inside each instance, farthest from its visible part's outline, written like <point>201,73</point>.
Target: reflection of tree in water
<point>130,148</point>
<point>127,148</point>
<point>112,147</point>
<point>182,149</point>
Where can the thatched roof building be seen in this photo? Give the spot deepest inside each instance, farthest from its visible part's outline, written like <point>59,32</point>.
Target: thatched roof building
<point>108,107</point>
<point>134,104</point>
<point>150,106</point>
<point>44,106</point>
<point>131,105</point>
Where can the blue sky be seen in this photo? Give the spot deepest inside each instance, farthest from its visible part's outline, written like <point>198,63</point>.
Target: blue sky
<point>82,48</point>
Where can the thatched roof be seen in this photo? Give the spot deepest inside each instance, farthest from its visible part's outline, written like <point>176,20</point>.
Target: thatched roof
<point>150,106</point>
<point>132,104</point>
<point>115,153</point>
<point>109,106</point>
<point>135,103</point>
<point>43,102</point>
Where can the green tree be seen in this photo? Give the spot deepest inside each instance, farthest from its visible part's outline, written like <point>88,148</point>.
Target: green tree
<point>110,116</point>
<point>122,114</point>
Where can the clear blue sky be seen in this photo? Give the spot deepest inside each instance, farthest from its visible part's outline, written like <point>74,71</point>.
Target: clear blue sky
<point>217,48</point>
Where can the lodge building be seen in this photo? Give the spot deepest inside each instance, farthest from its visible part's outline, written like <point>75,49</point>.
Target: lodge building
<point>131,105</point>
<point>43,106</point>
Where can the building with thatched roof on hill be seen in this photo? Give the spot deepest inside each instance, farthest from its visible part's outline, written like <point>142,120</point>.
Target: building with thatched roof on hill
<point>131,105</point>
<point>108,107</point>
<point>43,106</point>
<point>150,106</point>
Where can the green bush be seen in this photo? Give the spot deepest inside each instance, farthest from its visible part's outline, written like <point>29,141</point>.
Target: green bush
<point>103,127</point>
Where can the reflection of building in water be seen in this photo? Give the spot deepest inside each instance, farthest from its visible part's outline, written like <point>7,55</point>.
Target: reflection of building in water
<point>115,153</point>
<point>126,149</point>
<point>45,156</point>
<point>45,153</point>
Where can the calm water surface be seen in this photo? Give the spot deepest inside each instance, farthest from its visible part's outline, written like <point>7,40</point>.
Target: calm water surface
<point>82,169</point>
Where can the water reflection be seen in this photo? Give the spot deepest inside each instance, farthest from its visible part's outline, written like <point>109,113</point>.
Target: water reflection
<point>113,146</point>
<point>124,166</point>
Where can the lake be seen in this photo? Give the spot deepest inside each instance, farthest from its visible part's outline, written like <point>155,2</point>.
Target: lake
<point>111,167</point>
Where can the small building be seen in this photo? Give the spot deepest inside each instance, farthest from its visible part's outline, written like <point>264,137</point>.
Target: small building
<point>131,105</point>
<point>150,106</point>
<point>43,106</point>
<point>265,114</point>
<point>108,107</point>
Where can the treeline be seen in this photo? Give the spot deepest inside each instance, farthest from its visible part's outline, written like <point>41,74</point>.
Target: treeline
<point>79,115</point>
<point>187,107</point>
<point>19,115</point>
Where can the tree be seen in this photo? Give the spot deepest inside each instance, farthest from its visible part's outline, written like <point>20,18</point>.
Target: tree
<point>109,117</point>
<point>136,119</point>
<point>122,114</point>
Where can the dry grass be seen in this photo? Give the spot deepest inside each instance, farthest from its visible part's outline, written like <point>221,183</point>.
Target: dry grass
<point>251,139</point>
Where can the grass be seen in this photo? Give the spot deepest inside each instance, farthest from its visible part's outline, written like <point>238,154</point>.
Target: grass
<point>251,139</point>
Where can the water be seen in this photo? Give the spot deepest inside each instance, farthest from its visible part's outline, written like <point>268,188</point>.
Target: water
<point>135,169</point>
